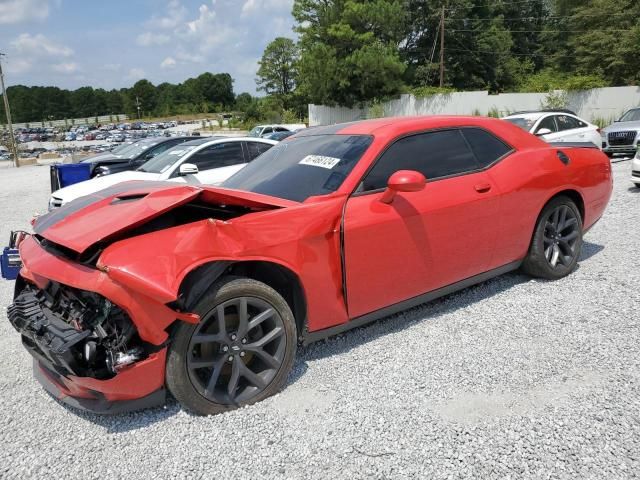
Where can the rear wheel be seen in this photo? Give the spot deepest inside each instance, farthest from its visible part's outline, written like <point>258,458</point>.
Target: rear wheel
<point>557,240</point>
<point>240,353</point>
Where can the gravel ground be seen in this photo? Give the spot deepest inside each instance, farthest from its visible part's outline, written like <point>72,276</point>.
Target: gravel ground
<point>514,378</point>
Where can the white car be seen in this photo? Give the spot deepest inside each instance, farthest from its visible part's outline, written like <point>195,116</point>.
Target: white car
<point>264,130</point>
<point>208,160</point>
<point>557,126</point>
<point>635,169</point>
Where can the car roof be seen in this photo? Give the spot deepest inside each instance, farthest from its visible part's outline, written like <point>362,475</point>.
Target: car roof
<point>199,141</point>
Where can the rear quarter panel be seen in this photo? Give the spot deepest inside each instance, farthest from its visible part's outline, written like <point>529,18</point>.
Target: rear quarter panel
<point>529,178</point>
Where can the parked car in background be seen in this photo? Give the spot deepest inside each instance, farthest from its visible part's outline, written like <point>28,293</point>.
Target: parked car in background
<point>264,130</point>
<point>557,126</point>
<point>623,136</point>
<point>207,160</point>
<point>635,169</point>
<point>278,136</point>
<point>132,156</point>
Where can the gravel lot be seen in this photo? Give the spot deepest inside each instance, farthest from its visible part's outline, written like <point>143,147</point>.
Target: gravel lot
<point>515,378</point>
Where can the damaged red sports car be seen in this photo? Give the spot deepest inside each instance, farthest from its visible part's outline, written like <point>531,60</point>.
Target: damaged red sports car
<point>207,291</point>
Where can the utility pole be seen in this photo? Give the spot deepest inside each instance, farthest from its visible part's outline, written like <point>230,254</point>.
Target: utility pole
<point>442,48</point>
<point>138,106</point>
<point>12,138</point>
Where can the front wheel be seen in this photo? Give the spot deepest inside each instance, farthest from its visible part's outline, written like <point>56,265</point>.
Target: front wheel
<point>557,240</point>
<point>240,353</point>
<point>637,185</point>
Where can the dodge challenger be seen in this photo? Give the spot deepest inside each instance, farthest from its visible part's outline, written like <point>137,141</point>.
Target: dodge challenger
<point>149,288</point>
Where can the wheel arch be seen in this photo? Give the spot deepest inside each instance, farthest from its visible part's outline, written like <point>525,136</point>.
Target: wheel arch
<point>282,279</point>
<point>574,195</point>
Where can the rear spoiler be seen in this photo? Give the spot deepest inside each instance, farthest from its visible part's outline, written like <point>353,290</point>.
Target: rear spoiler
<point>574,145</point>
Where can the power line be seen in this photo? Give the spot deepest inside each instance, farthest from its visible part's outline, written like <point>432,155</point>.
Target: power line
<point>550,31</point>
<point>490,52</point>
<point>501,4</point>
<point>550,17</point>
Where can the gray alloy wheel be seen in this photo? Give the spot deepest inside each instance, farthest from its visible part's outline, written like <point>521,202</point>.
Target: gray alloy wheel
<point>239,353</point>
<point>561,236</point>
<point>557,240</point>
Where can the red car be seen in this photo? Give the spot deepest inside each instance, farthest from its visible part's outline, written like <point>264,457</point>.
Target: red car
<point>207,291</point>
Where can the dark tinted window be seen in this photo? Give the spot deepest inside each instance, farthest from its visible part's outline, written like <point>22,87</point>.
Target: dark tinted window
<point>256,149</point>
<point>302,167</point>
<point>486,147</point>
<point>566,122</point>
<point>549,123</point>
<point>218,155</point>
<point>435,155</point>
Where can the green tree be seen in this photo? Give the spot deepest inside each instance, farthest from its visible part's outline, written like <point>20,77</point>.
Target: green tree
<point>349,49</point>
<point>277,73</point>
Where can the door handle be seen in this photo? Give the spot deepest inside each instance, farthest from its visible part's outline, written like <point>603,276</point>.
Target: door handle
<point>483,187</point>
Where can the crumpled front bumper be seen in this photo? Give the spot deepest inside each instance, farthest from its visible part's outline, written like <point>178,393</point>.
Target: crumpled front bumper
<point>139,385</point>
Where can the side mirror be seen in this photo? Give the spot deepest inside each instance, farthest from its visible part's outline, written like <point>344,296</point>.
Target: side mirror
<point>403,181</point>
<point>542,132</point>
<point>188,169</point>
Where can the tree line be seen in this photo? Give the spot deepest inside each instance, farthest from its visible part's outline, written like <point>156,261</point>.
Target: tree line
<point>353,51</point>
<point>206,93</point>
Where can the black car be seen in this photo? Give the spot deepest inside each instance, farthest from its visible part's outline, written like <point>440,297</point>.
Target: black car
<point>131,156</point>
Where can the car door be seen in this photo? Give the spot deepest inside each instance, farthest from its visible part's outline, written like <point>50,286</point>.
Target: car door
<point>215,163</point>
<point>422,240</point>
<point>571,129</point>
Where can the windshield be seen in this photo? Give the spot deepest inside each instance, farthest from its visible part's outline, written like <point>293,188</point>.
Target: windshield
<point>631,116</point>
<point>165,160</point>
<point>132,151</point>
<point>255,132</point>
<point>302,167</point>
<point>523,123</point>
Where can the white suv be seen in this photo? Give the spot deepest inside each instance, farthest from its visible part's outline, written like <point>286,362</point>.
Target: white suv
<point>557,126</point>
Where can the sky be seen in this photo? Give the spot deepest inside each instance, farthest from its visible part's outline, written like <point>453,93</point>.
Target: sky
<point>112,44</point>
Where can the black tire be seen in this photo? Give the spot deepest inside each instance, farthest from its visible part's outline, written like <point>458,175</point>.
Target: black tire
<point>637,185</point>
<point>201,373</point>
<point>609,154</point>
<point>555,248</point>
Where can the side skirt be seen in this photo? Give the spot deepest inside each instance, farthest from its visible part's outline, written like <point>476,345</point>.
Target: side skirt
<point>311,337</point>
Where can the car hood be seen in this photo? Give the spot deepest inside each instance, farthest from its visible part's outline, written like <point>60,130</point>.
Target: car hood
<point>105,214</point>
<point>622,127</point>
<point>88,187</point>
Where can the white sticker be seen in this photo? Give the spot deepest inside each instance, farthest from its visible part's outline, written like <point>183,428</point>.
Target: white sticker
<point>320,161</point>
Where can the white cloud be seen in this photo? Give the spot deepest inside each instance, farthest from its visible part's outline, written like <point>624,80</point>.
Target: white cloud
<point>262,6</point>
<point>65,67</point>
<point>149,39</point>
<point>136,74</point>
<point>39,46</point>
<point>168,62</point>
<point>17,65</point>
<point>176,13</point>
<point>19,11</point>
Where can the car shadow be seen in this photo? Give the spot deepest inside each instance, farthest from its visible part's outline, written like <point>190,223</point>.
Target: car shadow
<point>426,312</point>
<point>634,189</point>
<point>589,250</point>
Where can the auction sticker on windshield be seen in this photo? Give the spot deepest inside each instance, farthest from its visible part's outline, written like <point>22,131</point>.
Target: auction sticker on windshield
<point>320,161</point>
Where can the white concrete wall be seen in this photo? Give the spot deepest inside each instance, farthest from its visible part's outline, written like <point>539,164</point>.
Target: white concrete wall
<point>604,103</point>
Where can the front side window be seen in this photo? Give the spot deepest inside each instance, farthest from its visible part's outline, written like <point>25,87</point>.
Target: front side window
<point>434,154</point>
<point>548,123</point>
<point>631,116</point>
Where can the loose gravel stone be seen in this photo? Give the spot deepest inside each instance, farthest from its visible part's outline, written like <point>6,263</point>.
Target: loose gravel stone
<point>513,378</point>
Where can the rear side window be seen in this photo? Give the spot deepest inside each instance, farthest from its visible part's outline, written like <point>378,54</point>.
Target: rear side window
<point>434,154</point>
<point>566,122</point>
<point>486,147</point>
<point>257,148</point>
